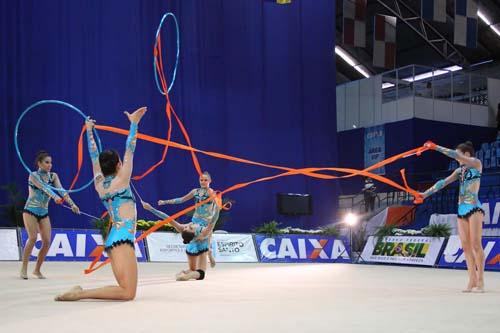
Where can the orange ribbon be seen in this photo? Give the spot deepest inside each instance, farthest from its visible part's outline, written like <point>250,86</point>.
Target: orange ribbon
<point>285,171</point>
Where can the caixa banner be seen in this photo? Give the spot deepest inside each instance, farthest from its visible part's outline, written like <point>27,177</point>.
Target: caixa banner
<point>74,245</point>
<point>492,213</point>
<point>302,248</point>
<point>453,255</point>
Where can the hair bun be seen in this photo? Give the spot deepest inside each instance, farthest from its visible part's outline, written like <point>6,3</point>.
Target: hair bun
<point>40,155</point>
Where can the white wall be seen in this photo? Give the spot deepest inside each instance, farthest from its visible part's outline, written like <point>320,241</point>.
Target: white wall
<point>405,108</point>
<point>366,103</point>
<point>461,113</point>
<point>424,108</point>
<point>389,112</point>
<point>443,110</point>
<point>493,100</point>
<point>480,115</point>
<point>377,88</point>
<point>359,104</point>
<point>352,105</point>
<point>341,108</point>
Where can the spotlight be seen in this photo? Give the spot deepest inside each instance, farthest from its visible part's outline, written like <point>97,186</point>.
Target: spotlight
<point>351,219</point>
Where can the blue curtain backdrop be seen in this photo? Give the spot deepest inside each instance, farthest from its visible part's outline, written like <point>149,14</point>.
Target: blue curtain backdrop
<point>256,80</point>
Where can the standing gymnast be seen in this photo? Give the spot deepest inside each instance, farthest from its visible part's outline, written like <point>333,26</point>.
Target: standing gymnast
<point>36,210</point>
<point>112,183</point>
<point>470,214</point>
<point>198,240</point>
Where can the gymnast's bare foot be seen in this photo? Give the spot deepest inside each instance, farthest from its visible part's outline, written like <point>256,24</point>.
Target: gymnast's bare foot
<point>23,274</point>
<point>480,287</point>
<point>70,295</point>
<point>191,275</point>
<point>181,273</point>
<point>470,286</point>
<point>211,259</point>
<point>39,275</point>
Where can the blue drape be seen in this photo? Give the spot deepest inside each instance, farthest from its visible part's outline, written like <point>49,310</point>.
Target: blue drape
<point>255,80</point>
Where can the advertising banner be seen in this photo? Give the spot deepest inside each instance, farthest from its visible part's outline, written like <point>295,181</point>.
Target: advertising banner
<point>403,250</point>
<point>75,245</point>
<point>9,249</point>
<point>302,248</point>
<point>375,147</point>
<point>453,255</point>
<point>168,247</point>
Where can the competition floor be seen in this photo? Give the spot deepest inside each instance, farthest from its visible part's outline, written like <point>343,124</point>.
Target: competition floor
<point>254,298</point>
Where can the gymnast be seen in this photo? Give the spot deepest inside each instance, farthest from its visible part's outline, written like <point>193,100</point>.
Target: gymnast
<point>36,210</point>
<point>198,240</point>
<point>470,214</point>
<point>112,183</point>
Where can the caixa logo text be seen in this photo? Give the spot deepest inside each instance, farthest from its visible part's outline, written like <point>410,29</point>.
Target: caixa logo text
<point>71,244</point>
<point>303,248</point>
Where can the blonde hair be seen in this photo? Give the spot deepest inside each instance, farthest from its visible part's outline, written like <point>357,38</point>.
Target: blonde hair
<point>205,173</point>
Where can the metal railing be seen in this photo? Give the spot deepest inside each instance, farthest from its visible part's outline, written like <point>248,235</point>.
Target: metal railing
<point>445,201</point>
<point>356,203</point>
<point>442,202</point>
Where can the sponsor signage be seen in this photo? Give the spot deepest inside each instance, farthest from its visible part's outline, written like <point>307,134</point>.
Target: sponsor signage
<point>453,255</point>
<point>168,247</point>
<point>302,248</point>
<point>375,147</point>
<point>75,245</point>
<point>403,250</point>
<point>9,249</point>
<point>234,248</point>
<point>492,213</point>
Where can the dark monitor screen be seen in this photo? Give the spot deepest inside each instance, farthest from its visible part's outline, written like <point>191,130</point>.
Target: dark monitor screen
<point>294,204</point>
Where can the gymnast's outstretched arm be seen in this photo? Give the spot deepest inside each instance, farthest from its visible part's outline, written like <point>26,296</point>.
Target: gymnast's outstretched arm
<point>471,162</point>
<point>442,184</point>
<point>93,152</point>
<point>179,227</point>
<point>65,195</point>
<point>128,159</point>
<point>180,200</point>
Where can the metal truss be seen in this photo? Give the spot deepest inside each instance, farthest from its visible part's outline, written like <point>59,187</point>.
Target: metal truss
<point>426,31</point>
